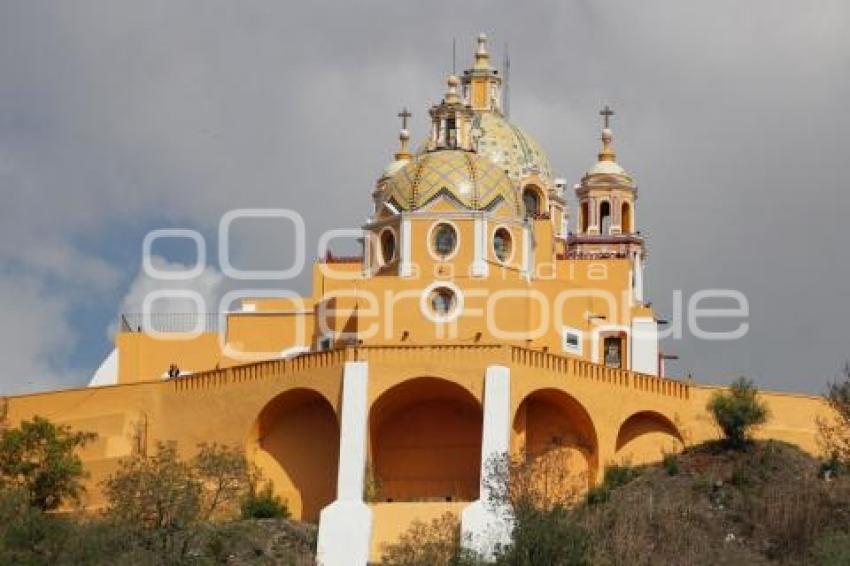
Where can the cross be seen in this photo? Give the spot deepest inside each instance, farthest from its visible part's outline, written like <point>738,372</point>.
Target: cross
<point>606,114</point>
<point>404,115</point>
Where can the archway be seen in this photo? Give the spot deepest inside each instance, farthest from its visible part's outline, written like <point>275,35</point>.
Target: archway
<point>550,420</point>
<point>605,218</point>
<point>645,437</point>
<point>584,217</point>
<point>531,200</point>
<point>295,442</point>
<point>425,438</point>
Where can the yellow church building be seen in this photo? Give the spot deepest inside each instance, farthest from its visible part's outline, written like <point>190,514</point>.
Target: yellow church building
<point>481,318</point>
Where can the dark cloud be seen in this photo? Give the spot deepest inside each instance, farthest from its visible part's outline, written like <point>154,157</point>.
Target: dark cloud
<point>729,115</point>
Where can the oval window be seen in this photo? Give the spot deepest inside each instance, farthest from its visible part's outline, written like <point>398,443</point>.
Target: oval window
<point>445,240</point>
<point>443,301</point>
<point>387,246</point>
<point>502,244</point>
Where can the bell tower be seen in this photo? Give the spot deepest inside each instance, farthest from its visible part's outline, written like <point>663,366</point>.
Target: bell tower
<point>482,85</point>
<point>451,121</point>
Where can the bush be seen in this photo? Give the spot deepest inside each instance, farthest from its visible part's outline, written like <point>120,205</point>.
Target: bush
<point>426,544</point>
<point>832,549</point>
<point>264,504</point>
<point>40,458</point>
<point>737,411</point>
<point>670,462</point>
<point>615,476</point>
<point>835,432</point>
<point>550,536</point>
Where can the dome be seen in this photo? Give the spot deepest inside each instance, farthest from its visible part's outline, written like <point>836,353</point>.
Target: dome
<point>510,148</point>
<point>472,181</point>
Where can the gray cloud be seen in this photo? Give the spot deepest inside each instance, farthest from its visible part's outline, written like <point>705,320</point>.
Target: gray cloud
<point>729,116</point>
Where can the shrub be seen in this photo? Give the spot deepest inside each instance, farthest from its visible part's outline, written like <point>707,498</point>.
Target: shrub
<point>835,432</point>
<point>615,476</point>
<point>670,462</point>
<point>737,411</point>
<point>545,536</point>
<point>832,549</point>
<point>264,504</point>
<point>40,458</point>
<point>426,544</point>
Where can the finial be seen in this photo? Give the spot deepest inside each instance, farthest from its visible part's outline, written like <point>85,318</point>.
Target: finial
<point>452,95</point>
<point>482,57</point>
<point>404,135</point>
<point>607,153</point>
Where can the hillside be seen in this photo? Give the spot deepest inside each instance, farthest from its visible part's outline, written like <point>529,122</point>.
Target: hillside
<point>768,504</point>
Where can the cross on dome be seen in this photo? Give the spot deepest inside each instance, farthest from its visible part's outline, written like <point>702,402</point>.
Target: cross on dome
<point>606,114</point>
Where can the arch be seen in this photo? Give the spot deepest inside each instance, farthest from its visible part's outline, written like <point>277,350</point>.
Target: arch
<point>626,218</point>
<point>551,419</point>
<point>425,441</point>
<point>605,218</point>
<point>646,436</point>
<point>532,200</point>
<point>584,217</point>
<point>295,443</point>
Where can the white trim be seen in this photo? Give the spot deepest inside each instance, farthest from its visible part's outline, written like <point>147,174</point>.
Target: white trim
<point>644,345</point>
<point>430,240</point>
<point>405,267</point>
<point>479,261</point>
<point>425,302</point>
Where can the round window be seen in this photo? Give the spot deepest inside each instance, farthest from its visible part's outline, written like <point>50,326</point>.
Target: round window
<point>387,246</point>
<point>445,240</point>
<point>443,301</point>
<point>502,244</point>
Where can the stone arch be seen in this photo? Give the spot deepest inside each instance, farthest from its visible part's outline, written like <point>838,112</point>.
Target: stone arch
<point>645,437</point>
<point>551,419</point>
<point>295,443</point>
<point>425,441</point>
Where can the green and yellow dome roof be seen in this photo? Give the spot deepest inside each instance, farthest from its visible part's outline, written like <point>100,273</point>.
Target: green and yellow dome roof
<point>472,181</point>
<point>510,147</point>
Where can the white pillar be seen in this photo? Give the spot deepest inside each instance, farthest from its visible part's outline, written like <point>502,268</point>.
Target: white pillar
<point>644,345</point>
<point>405,266</point>
<point>638,267</point>
<point>483,525</point>
<point>345,526</point>
<point>479,261</point>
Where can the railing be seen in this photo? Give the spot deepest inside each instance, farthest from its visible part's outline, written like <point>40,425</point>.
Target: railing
<point>170,322</point>
<point>596,372</point>
<point>259,370</point>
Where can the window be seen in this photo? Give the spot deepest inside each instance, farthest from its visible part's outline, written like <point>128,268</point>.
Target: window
<point>444,240</point>
<point>387,246</point>
<point>443,301</point>
<point>502,244</point>
<point>531,201</point>
<point>626,218</point>
<point>571,340</point>
<point>605,218</point>
<point>613,352</point>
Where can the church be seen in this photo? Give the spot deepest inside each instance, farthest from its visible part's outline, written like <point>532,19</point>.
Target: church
<point>482,317</point>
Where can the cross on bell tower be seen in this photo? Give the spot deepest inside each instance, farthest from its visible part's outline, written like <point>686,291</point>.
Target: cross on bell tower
<point>606,114</point>
<point>404,115</point>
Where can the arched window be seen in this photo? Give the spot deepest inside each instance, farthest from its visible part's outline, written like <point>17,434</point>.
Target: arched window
<point>585,217</point>
<point>626,218</point>
<point>531,201</point>
<point>387,246</point>
<point>605,218</point>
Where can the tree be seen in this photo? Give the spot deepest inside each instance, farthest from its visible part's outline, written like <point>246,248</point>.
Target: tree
<point>40,458</point>
<point>737,411</point>
<point>167,497</point>
<point>835,432</point>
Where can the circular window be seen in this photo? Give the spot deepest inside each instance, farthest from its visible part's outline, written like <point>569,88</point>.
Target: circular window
<point>444,240</point>
<point>387,246</point>
<point>443,301</point>
<point>502,244</point>
<point>531,201</point>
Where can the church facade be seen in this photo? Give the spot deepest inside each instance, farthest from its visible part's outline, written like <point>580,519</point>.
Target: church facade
<point>481,318</point>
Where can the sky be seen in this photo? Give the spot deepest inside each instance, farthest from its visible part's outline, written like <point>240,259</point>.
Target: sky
<point>117,118</point>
